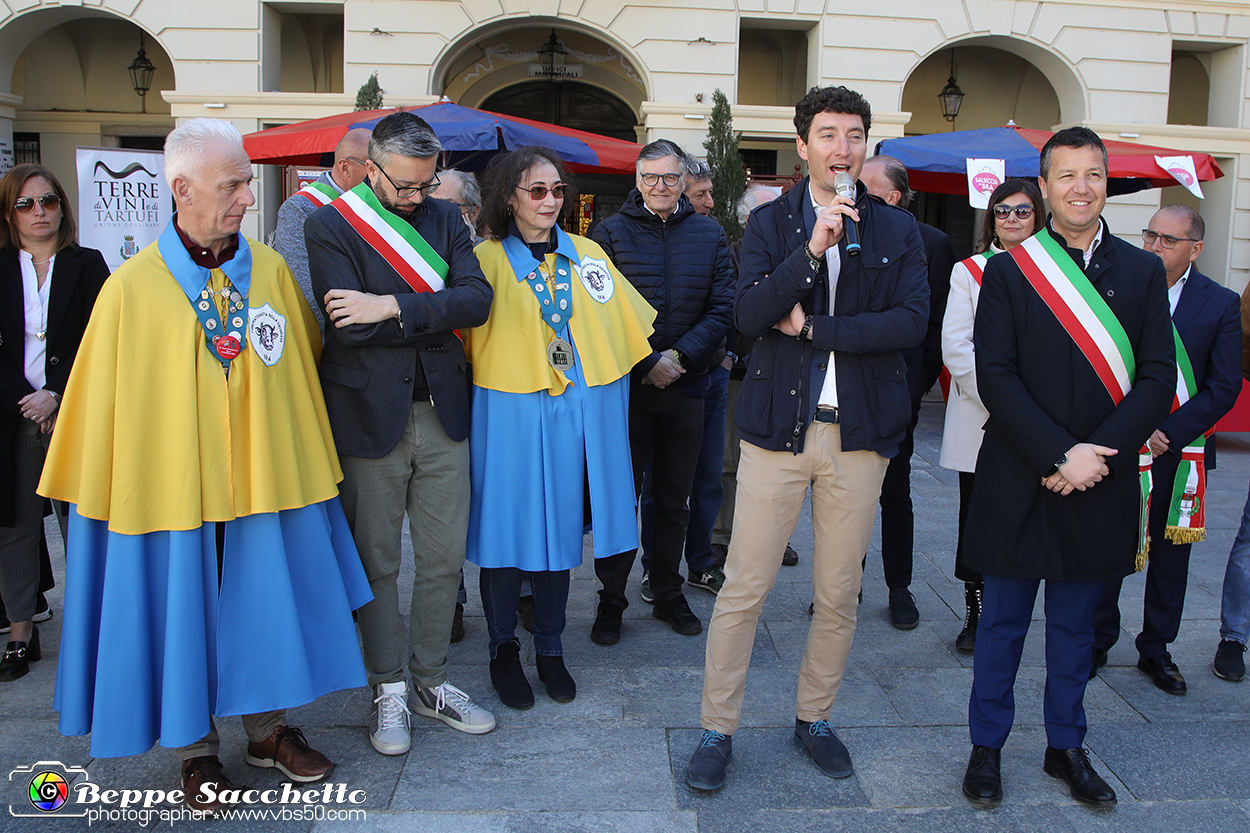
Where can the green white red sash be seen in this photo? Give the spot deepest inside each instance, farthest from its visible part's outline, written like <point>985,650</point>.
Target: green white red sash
<point>976,265</point>
<point>318,193</point>
<point>394,239</point>
<point>1187,513</point>
<point>1098,334</point>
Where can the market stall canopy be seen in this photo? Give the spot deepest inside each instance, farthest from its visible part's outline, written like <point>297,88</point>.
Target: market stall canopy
<point>469,138</point>
<point>936,163</point>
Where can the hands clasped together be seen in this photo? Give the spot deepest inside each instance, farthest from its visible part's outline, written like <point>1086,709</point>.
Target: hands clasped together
<point>1086,466</point>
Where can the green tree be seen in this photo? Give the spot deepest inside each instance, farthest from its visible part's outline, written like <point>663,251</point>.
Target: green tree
<point>728,177</point>
<point>369,96</point>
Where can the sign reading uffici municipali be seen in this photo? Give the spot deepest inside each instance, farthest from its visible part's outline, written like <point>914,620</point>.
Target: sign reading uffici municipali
<point>123,201</point>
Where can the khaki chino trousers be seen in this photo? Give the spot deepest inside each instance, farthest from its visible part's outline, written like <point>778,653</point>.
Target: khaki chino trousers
<point>771,487</point>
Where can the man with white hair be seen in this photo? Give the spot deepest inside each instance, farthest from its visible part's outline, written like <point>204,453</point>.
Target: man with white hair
<point>288,238</point>
<point>460,188</point>
<point>209,568</point>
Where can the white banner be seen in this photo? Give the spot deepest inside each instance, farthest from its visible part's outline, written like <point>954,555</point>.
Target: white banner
<point>984,175</point>
<point>1181,168</point>
<point>123,201</point>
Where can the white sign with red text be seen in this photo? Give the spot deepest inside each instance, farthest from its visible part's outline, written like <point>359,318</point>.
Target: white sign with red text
<point>1181,168</point>
<point>984,175</point>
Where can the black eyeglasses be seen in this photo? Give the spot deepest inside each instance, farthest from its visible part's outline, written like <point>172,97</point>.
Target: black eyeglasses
<point>651,180</point>
<point>25,205</point>
<point>539,192</point>
<point>1023,211</point>
<point>1169,242</point>
<point>411,190</point>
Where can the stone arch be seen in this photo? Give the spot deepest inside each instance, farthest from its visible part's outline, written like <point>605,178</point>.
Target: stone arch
<point>629,81</point>
<point>19,31</point>
<point>1063,77</point>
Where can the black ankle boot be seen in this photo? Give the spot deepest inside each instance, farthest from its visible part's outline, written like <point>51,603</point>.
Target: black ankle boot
<point>967,639</point>
<point>18,656</point>
<point>560,684</point>
<point>508,677</point>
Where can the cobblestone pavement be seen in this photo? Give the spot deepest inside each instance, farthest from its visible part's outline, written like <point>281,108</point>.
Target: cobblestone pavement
<point>614,759</point>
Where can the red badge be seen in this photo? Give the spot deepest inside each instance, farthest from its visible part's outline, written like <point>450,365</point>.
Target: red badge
<point>228,347</point>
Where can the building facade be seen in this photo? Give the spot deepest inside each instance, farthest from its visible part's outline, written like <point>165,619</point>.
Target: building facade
<point>1172,74</point>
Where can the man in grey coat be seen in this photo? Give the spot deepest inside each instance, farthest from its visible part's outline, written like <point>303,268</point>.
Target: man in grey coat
<point>288,238</point>
<point>396,278</point>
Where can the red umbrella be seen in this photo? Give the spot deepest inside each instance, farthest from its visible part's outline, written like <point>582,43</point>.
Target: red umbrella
<point>468,136</point>
<point>935,163</point>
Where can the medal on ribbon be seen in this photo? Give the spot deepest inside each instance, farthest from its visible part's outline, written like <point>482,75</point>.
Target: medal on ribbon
<point>555,306</point>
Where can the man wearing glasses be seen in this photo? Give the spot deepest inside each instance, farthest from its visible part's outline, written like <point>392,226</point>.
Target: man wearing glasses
<point>288,238</point>
<point>1207,320</point>
<point>397,279</point>
<point>679,261</point>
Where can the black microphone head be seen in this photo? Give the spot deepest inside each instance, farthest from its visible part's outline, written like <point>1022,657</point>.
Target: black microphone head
<point>844,185</point>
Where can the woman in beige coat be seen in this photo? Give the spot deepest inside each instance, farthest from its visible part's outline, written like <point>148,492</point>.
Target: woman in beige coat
<point>1016,213</point>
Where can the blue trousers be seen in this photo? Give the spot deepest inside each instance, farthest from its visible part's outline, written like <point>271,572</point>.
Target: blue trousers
<point>1006,608</point>
<point>501,589</point>
<point>708,490</point>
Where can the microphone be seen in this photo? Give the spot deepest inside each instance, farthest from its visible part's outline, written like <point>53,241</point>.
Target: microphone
<point>844,185</point>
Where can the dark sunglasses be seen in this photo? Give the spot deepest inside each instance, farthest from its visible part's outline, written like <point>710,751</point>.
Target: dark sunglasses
<point>1023,212</point>
<point>25,205</point>
<point>539,192</point>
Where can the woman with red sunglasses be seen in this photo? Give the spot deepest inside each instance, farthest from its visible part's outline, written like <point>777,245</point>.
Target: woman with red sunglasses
<point>48,285</point>
<point>549,443</point>
<point>1016,214</point>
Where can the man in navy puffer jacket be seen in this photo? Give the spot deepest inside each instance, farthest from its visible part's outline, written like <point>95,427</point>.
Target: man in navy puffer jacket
<point>679,261</point>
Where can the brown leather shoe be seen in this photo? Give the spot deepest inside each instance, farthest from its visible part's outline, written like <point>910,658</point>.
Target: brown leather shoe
<point>196,772</point>
<point>288,752</point>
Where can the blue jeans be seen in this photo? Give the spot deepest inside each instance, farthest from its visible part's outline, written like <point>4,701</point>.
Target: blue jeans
<point>708,490</point>
<point>501,588</point>
<point>1235,608</point>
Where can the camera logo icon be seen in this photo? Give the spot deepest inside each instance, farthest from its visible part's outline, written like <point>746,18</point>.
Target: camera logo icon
<point>48,791</point>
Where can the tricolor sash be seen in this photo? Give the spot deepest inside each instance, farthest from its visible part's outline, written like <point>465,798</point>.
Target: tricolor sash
<point>1098,334</point>
<point>394,239</point>
<point>976,265</point>
<point>1187,513</point>
<point>318,193</point>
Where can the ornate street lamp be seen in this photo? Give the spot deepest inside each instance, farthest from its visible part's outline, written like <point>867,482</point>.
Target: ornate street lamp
<point>554,56</point>
<point>141,71</point>
<point>951,96</point>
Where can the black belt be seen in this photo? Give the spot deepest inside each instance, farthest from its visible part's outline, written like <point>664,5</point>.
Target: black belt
<point>829,415</point>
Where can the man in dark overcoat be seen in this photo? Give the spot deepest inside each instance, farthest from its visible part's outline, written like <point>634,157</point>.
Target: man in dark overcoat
<point>1058,492</point>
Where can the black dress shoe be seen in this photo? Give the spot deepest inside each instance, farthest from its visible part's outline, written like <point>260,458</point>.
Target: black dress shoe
<point>18,656</point>
<point>828,753</point>
<point>983,780</point>
<point>1163,673</point>
<point>706,770</point>
<point>790,557</point>
<point>1098,660</point>
<point>903,612</point>
<point>560,684</point>
<point>508,677</point>
<point>607,627</point>
<point>677,613</point>
<point>1072,766</point>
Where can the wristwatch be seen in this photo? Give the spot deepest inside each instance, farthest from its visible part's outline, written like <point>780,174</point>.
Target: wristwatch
<point>1061,461</point>
<point>807,328</point>
<point>676,355</point>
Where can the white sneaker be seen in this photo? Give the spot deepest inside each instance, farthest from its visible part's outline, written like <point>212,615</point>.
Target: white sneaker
<point>391,732</point>
<point>452,706</point>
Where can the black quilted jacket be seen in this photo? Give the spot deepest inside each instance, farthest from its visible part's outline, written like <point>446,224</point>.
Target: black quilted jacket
<point>682,267</point>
